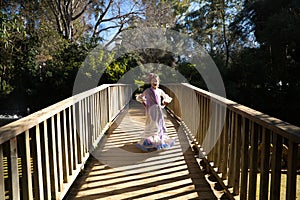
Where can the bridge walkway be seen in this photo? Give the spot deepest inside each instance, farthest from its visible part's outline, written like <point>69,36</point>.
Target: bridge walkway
<point>118,170</point>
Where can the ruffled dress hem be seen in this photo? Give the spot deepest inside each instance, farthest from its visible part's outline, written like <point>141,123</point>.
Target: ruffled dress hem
<point>152,144</point>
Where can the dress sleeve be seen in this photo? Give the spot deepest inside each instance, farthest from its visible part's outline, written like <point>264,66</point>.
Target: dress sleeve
<point>141,97</point>
<point>166,98</point>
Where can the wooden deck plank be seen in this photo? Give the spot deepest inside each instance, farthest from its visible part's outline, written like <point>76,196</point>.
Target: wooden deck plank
<point>118,170</point>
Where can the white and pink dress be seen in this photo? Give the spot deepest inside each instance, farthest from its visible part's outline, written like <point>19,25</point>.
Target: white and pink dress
<point>154,136</point>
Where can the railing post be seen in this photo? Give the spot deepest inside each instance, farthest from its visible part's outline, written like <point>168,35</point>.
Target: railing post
<point>265,164</point>
<point>292,171</point>
<point>47,179</point>
<point>84,132</point>
<point>26,166</point>
<point>107,105</point>
<point>75,136</point>
<point>245,158</point>
<point>64,147</point>
<point>276,167</point>
<point>70,141</point>
<point>237,160</point>
<point>39,186</point>
<point>221,115</point>
<point>14,175</point>
<point>90,134</point>
<point>59,152</point>
<point>231,150</point>
<point>225,143</point>
<point>253,161</point>
<point>79,134</point>
<point>2,182</point>
<point>93,131</point>
<point>53,160</point>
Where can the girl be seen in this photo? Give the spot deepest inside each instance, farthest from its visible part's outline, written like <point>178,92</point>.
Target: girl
<point>154,136</point>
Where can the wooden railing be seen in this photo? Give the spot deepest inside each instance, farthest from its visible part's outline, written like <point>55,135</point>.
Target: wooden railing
<point>42,154</point>
<point>253,155</point>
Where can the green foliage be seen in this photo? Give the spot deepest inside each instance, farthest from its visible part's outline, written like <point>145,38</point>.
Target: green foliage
<point>191,74</point>
<point>118,67</point>
<point>11,33</point>
<point>11,28</point>
<point>255,45</point>
<point>58,75</point>
<point>270,72</point>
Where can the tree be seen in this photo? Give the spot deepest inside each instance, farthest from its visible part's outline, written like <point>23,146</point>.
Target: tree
<point>51,38</point>
<point>209,24</point>
<point>74,19</point>
<point>11,32</point>
<point>274,26</point>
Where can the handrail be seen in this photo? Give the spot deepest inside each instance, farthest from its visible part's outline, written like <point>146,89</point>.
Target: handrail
<point>245,144</point>
<point>42,154</point>
<point>281,127</point>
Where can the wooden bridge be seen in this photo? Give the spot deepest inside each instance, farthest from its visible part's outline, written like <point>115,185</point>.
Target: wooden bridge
<point>83,148</point>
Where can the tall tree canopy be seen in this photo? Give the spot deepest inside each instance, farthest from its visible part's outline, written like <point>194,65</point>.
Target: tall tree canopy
<point>254,43</point>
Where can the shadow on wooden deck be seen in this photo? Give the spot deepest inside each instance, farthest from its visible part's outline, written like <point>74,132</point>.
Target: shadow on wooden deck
<point>118,170</point>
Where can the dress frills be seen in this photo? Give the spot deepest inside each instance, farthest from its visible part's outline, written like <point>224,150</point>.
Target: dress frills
<point>154,136</point>
<point>153,143</point>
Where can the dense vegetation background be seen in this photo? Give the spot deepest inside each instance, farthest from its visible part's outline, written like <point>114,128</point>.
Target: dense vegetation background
<point>255,44</point>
